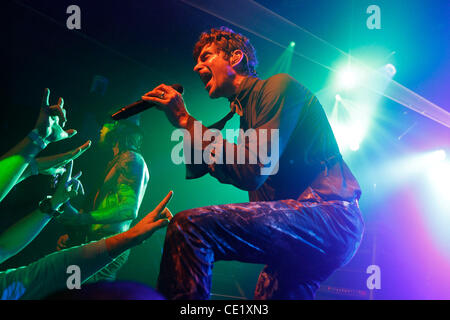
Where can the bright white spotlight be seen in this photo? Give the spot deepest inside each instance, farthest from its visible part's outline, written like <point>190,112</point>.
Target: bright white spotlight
<point>354,146</point>
<point>438,173</point>
<point>338,97</point>
<point>348,78</point>
<point>347,136</point>
<point>438,155</point>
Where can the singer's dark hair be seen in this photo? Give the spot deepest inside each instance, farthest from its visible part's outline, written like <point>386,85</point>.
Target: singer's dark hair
<point>128,135</point>
<point>227,40</point>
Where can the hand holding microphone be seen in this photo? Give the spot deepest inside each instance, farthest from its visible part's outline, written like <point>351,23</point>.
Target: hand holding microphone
<point>169,100</point>
<point>144,104</point>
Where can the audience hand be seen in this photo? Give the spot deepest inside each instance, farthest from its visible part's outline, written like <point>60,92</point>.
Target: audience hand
<point>67,188</point>
<point>51,121</point>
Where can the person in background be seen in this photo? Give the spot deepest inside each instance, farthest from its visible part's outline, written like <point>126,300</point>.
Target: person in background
<point>49,274</point>
<point>118,199</point>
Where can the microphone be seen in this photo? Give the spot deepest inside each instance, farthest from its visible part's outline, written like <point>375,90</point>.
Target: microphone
<point>139,106</point>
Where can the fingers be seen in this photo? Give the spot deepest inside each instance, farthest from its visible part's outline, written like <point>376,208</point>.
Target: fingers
<point>74,154</point>
<point>60,102</point>
<point>159,224</point>
<point>161,93</point>
<point>155,99</point>
<point>159,103</point>
<point>156,92</point>
<point>71,133</point>
<point>74,181</point>
<point>83,147</point>
<point>57,110</point>
<point>166,214</point>
<point>68,134</point>
<point>68,174</point>
<point>79,151</point>
<point>57,171</point>
<point>45,98</point>
<point>74,185</point>
<point>75,177</point>
<point>78,186</point>
<point>64,112</point>
<point>160,207</point>
<point>81,187</point>
<point>55,164</point>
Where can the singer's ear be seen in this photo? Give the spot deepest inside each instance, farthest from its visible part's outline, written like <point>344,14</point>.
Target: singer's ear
<point>236,58</point>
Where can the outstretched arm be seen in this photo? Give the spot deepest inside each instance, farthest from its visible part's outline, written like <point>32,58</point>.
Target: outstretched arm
<point>49,274</point>
<point>54,164</point>
<point>48,129</point>
<point>19,235</point>
<point>14,163</point>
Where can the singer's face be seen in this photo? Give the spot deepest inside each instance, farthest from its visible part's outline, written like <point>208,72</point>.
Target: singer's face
<point>215,71</point>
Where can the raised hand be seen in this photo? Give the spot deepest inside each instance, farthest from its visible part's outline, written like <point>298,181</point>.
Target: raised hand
<point>54,164</point>
<point>67,187</point>
<point>52,120</point>
<point>171,102</point>
<point>153,221</point>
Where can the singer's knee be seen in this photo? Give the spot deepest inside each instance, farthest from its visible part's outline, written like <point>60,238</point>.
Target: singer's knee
<point>188,221</point>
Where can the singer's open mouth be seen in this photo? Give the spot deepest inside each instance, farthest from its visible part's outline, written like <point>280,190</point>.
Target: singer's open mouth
<point>205,77</point>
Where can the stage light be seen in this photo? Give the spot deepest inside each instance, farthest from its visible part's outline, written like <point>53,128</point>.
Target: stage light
<point>437,156</point>
<point>390,70</point>
<point>283,63</point>
<point>348,78</point>
<point>436,198</point>
<point>438,171</point>
<point>338,98</point>
<point>348,136</point>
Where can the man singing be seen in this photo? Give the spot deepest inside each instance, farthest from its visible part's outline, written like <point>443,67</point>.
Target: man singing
<point>302,221</point>
<point>117,201</point>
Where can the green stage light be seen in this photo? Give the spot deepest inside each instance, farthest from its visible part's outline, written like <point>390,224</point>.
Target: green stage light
<point>292,44</point>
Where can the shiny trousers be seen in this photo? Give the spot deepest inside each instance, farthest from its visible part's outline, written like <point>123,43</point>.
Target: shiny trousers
<point>300,242</point>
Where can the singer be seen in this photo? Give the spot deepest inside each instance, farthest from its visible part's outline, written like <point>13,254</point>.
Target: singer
<point>302,222</point>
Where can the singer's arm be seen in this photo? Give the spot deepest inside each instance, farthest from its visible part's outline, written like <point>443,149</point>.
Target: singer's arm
<point>282,101</point>
<point>276,112</point>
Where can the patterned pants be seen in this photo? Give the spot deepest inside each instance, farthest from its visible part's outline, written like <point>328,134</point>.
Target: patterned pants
<point>301,243</point>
